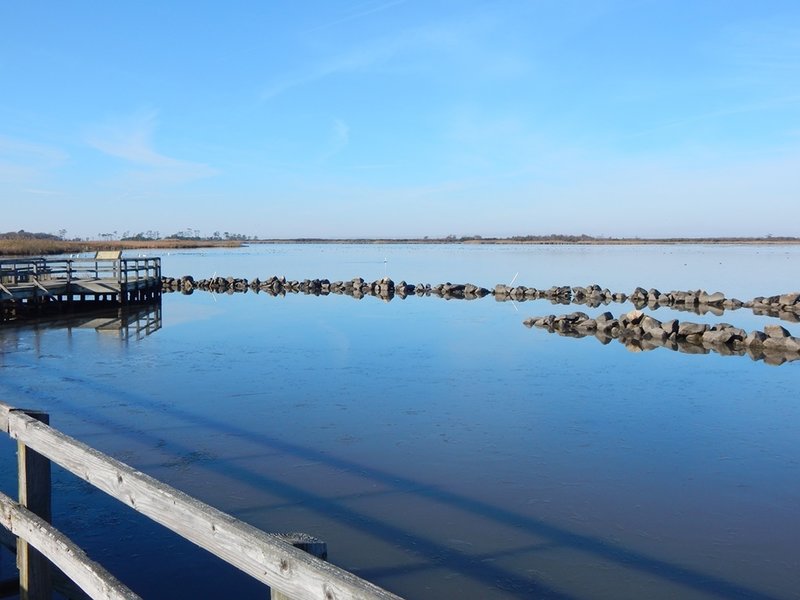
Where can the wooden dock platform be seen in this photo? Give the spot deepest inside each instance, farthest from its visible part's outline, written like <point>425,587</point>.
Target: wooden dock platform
<point>36,286</point>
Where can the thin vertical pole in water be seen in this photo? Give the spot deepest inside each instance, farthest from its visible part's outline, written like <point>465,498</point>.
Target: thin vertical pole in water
<point>34,494</point>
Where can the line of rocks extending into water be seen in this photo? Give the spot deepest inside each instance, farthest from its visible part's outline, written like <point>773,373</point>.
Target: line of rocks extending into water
<point>640,332</point>
<point>385,288</point>
<point>785,306</point>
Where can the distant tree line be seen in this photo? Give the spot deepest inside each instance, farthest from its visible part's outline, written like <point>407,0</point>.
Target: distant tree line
<point>187,234</point>
<point>191,234</point>
<point>27,235</point>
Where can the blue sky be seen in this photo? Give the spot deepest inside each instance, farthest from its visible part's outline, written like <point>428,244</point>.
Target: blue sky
<point>401,117</point>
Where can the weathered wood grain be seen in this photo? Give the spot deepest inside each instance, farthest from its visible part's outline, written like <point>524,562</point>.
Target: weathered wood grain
<point>264,556</point>
<point>33,470</point>
<point>306,543</point>
<point>87,574</point>
<point>4,410</point>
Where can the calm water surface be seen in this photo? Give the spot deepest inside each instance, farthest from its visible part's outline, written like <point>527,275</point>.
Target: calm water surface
<point>439,447</point>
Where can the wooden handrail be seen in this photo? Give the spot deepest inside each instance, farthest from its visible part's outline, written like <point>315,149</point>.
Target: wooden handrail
<point>266,557</point>
<point>123,270</point>
<point>62,552</point>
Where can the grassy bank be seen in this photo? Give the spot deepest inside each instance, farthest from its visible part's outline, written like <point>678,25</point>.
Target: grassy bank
<point>540,240</point>
<point>43,247</point>
<point>39,247</point>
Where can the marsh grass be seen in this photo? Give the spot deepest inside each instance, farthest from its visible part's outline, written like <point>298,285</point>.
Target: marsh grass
<point>42,247</point>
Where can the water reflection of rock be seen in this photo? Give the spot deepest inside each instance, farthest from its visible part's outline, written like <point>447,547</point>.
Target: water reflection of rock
<point>785,306</point>
<point>640,332</point>
<point>358,288</point>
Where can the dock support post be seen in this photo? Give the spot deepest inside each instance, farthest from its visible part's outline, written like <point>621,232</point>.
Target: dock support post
<point>34,493</point>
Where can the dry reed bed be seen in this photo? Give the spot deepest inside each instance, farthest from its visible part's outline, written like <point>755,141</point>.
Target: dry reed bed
<point>36,247</point>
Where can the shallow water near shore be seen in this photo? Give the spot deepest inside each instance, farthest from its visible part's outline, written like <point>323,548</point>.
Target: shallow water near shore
<point>441,448</point>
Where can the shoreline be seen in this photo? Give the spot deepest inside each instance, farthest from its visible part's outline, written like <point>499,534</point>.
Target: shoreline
<point>556,241</point>
<point>41,247</point>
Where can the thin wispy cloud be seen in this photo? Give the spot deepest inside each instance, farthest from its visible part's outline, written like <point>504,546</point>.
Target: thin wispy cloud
<point>22,160</point>
<point>353,61</point>
<point>773,104</point>
<point>38,192</point>
<point>341,134</point>
<point>453,43</point>
<point>131,139</point>
<point>356,12</point>
<point>11,147</point>
<point>339,139</point>
<point>380,166</point>
<point>762,47</point>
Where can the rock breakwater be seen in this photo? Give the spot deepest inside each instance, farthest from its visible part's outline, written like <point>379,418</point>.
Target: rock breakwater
<point>640,332</point>
<point>357,287</point>
<point>784,306</point>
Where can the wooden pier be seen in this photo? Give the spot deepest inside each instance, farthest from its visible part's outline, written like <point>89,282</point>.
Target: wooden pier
<point>38,286</point>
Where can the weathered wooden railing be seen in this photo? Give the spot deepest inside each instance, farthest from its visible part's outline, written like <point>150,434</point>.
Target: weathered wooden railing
<point>121,270</point>
<point>276,560</point>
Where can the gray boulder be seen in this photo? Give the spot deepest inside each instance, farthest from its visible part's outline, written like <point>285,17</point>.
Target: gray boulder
<point>717,336</point>
<point>688,328</point>
<point>789,299</point>
<point>776,331</point>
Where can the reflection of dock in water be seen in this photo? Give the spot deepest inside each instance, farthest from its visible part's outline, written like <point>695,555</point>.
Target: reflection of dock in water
<point>132,322</point>
<point>36,287</point>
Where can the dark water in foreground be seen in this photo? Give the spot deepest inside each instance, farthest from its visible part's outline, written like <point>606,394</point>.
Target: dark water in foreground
<point>440,448</point>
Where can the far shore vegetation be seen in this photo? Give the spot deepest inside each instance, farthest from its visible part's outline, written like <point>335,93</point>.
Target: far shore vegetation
<point>24,243</point>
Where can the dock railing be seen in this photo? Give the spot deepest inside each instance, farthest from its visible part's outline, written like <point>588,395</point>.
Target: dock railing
<point>122,270</point>
<point>287,563</point>
<point>14,271</point>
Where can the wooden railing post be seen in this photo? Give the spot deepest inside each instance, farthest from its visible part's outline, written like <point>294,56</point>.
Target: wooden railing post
<point>34,493</point>
<point>306,543</point>
<point>270,558</point>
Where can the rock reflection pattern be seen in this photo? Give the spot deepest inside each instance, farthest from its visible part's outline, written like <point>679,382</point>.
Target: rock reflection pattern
<point>784,306</point>
<point>641,332</point>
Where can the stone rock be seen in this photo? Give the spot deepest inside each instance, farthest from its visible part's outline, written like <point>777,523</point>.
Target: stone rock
<point>648,324</point>
<point>694,338</point>
<point>688,328</point>
<point>712,299</point>
<point>631,318</point>
<point>576,317</point>
<point>755,339</point>
<point>776,331</point>
<point>792,344</point>
<point>775,343</point>
<point>789,299</point>
<point>656,335</point>
<point>671,326</point>
<point>717,336</point>
<point>732,303</point>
